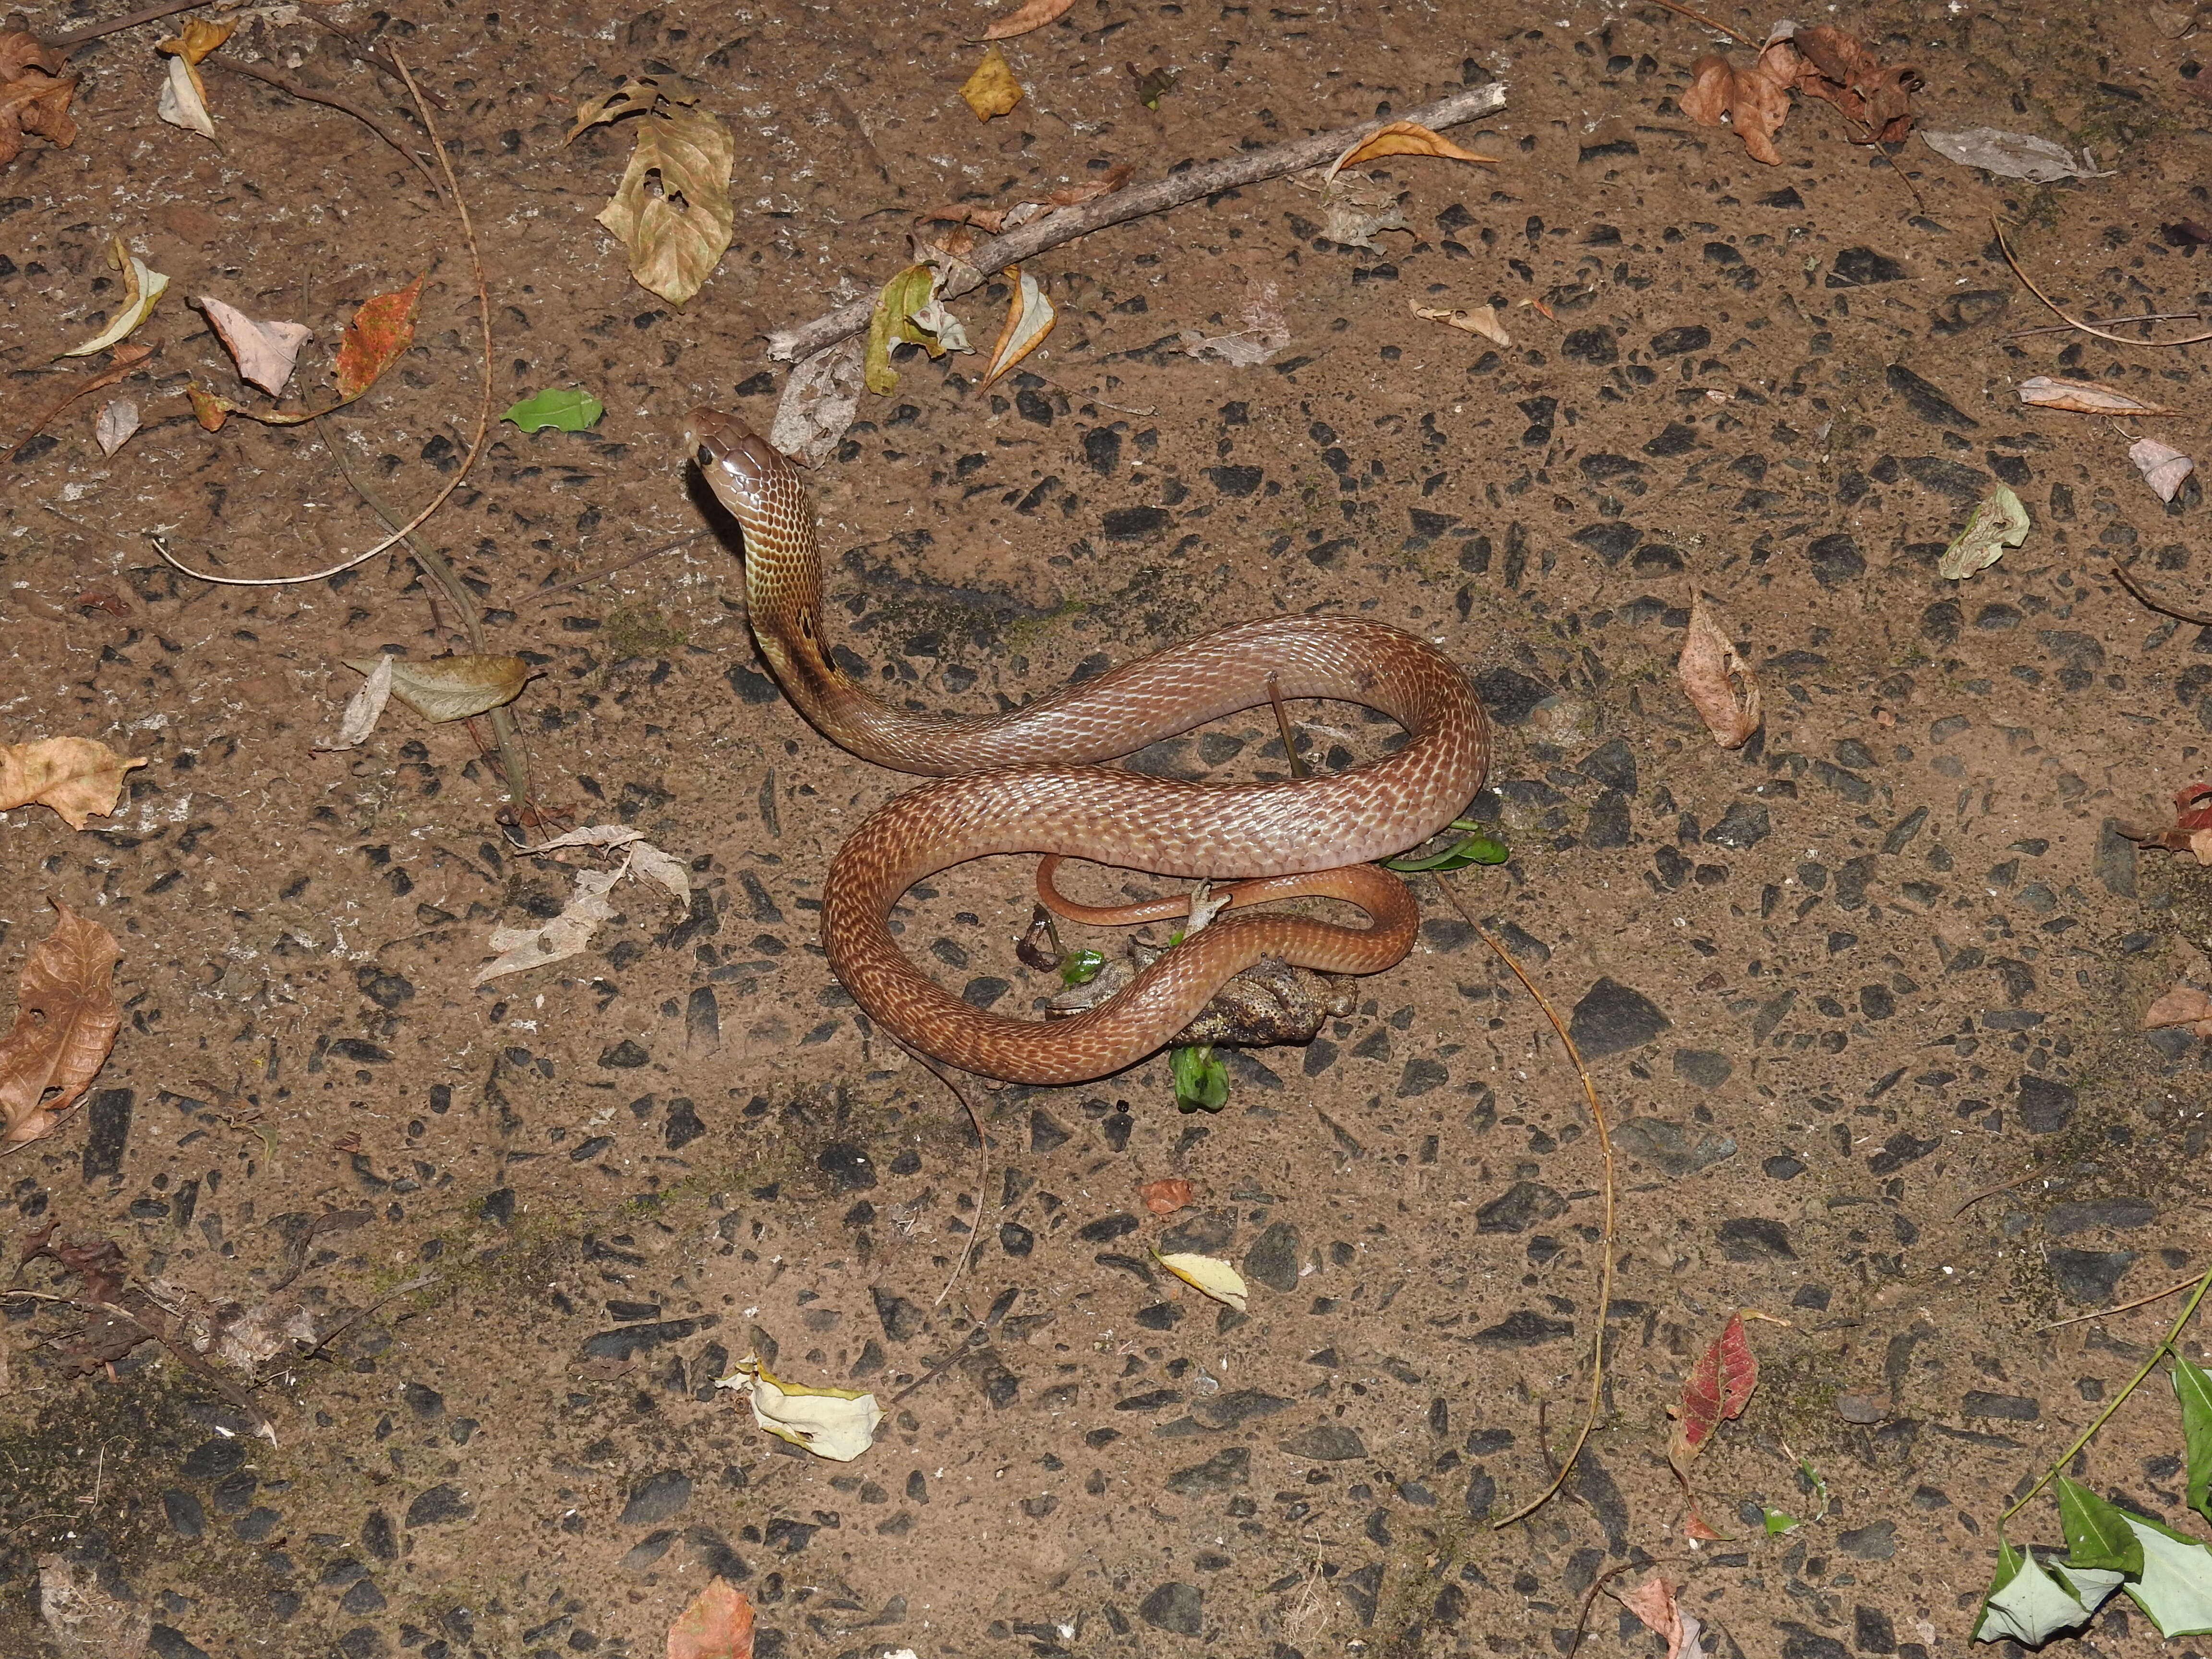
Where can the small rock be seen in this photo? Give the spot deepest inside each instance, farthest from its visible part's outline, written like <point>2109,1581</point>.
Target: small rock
<point>846,1165</point>
<point>439,1503</point>
<point>1519,1207</point>
<point>1237,1406</point>
<point>1174,1607</point>
<point>1744,824</point>
<point>2006,1407</point>
<point>1613,1018</point>
<point>1755,1238</point>
<point>1857,1408</point>
<point>2091,1278</point>
<point>1707,1067</point>
<point>2061,1219</point>
<point>2045,1107</point>
<point>1231,1466</point>
<point>1327,1443</point>
<point>1274,1260</point>
<point>1524,1328</point>
<point>1876,1542</point>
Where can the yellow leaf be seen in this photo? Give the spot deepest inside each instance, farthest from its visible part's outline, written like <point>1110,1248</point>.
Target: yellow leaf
<point>671,212</point>
<point>78,777</point>
<point>1029,317</point>
<point>199,37</point>
<point>142,286</point>
<point>1404,138</point>
<point>992,90</point>
<point>907,312</point>
<point>1215,1277</point>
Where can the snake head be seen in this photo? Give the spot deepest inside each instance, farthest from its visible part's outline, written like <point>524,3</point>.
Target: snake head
<point>738,462</point>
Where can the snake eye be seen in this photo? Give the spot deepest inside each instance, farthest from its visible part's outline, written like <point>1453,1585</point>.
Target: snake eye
<point>703,456</point>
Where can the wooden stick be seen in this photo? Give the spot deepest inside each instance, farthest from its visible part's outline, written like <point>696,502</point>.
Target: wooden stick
<point>254,71</point>
<point>986,258</point>
<point>92,32</point>
<point>2140,1302</point>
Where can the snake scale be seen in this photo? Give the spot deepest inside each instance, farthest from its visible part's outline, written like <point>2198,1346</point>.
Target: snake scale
<point>1030,781</point>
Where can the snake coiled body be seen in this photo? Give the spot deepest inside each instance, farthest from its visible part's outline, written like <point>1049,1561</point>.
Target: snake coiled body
<point>1028,780</point>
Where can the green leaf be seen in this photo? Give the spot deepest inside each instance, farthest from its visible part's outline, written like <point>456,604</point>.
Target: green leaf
<point>570,409</point>
<point>1998,523</point>
<point>2175,1592</point>
<point>1201,1082</point>
<point>2027,1604</point>
<point>2097,1534</point>
<point>2194,1385</point>
<point>1778,1523</point>
<point>908,312</point>
<point>1080,967</point>
<point>1477,848</point>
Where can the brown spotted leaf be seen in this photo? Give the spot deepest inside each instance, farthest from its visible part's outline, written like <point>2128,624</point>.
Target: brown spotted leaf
<point>382,329</point>
<point>1718,680</point>
<point>65,1023</point>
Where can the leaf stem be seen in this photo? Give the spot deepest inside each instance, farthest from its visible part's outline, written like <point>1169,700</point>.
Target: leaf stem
<point>2172,1336</point>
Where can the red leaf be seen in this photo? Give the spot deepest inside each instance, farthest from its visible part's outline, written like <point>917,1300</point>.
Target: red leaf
<point>718,1625</point>
<point>1165,1197</point>
<point>2194,807</point>
<point>1719,1388</point>
<point>382,329</point>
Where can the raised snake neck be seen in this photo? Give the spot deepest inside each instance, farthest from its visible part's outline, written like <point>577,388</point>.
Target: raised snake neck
<point>1017,783</point>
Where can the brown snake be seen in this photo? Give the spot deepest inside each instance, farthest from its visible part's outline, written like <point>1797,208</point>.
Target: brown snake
<point>1026,781</point>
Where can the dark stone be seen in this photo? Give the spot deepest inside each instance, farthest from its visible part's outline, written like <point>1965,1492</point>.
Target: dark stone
<point>1524,1328</point>
<point>1273,1261</point>
<point>1133,524</point>
<point>1926,401</point>
<point>1016,1239</point>
<point>1446,934</point>
<point>1613,1018</point>
<point>629,1340</point>
<point>1421,1076</point>
<point>1744,824</point>
<point>1609,823</point>
<point>1675,438</point>
<point>427,1402</point>
<point>2091,1278</point>
<point>2114,862</point>
<point>1901,1148</point>
<point>1593,1483</point>
<point>1229,1466</point>
<point>900,1319</point>
<point>1835,560</point>
<point>1611,541</point>
<point>1107,1228</point>
<point>499,1208</point>
<point>1518,1208</point>
<point>1046,1133</point>
<point>213,1459</point>
<point>625,1055</point>
<point>108,1131</point>
<point>439,1503</point>
<point>1235,480</point>
<point>1206,1232</point>
<point>2061,1219</point>
<point>1589,345</point>
<point>1783,1167</point>
<point>846,1165</point>
<point>169,1643</point>
<point>1237,1406</point>
<point>1612,764</point>
<point>2010,1407</point>
<point>1853,267</point>
<point>1674,342</point>
<point>187,1516</point>
<point>1509,698</point>
<point>1964,484</point>
<point>656,1498</point>
<point>1362,1590</point>
<point>1667,1145</point>
<point>1326,1442</point>
<point>984,990</point>
<point>1872,1631</point>
<point>1755,1238</point>
<point>1481,1493</point>
<point>683,1126</point>
<point>1803,1642</point>
<point>1174,1607</point>
<point>362,1599</point>
<point>1876,1542</point>
<point>1707,1067</point>
<point>378,1537</point>
<point>2045,1107</point>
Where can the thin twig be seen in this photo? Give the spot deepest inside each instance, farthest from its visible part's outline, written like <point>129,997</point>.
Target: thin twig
<point>1604,1245</point>
<point>2113,322</point>
<point>1582,1620</point>
<point>1283,726</point>
<point>254,71</point>
<point>484,406</point>
<point>983,1172</point>
<point>2126,574</point>
<point>1700,19</point>
<point>550,595</point>
<point>2140,1302</point>
<point>995,254</point>
<point>2059,311</point>
<point>121,367</point>
<point>369,55</point>
<point>2172,1336</point>
<point>92,32</point>
<point>1968,1203</point>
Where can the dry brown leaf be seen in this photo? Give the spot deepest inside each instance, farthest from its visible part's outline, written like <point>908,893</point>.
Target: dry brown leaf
<point>183,100</point>
<point>1403,138</point>
<point>450,687</point>
<point>992,90</point>
<point>116,421</point>
<point>34,94</point>
<point>265,352</point>
<point>78,777</point>
<point>1655,1604</point>
<point>1719,682</point>
<point>718,1625</point>
<point>1483,321</point>
<point>1755,101</point>
<point>1034,15</point>
<point>65,1023</point>
<point>1166,1196</point>
<point>2200,845</point>
<point>1843,71</point>
<point>672,211</point>
<point>2082,397</point>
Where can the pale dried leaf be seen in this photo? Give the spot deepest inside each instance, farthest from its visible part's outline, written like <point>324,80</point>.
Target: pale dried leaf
<point>1354,214</point>
<point>1403,138</point>
<point>1033,15</point>
<point>1029,317</point>
<point>441,688</point>
<point>1265,334</point>
<point>1655,1604</point>
<point>362,710</point>
<point>142,286</point>
<point>265,351</point>
<point>2008,154</point>
<point>819,401</point>
<point>78,777</point>
<point>117,420</point>
<point>567,935</point>
<point>671,212</point>
<point>2082,397</point>
<point>2185,1005</point>
<point>1719,683</point>
<point>591,835</point>
<point>65,1023</point>
<point>2163,466</point>
<point>182,101</point>
<point>2200,845</point>
<point>839,1423</point>
<point>81,1618</point>
<point>1209,1274</point>
<point>649,863</point>
<point>1999,522</point>
<point>992,90</point>
<point>1484,321</point>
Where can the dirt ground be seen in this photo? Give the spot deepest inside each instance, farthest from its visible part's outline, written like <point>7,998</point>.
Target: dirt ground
<point>1891,956</point>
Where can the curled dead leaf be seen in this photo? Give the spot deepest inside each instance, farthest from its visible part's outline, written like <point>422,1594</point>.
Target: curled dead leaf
<point>143,286</point>
<point>1655,1604</point>
<point>65,1023</point>
<point>441,688</point>
<point>1755,101</point>
<point>671,212</point>
<point>1166,1196</point>
<point>265,352</point>
<point>2082,397</point>
<point>1029,317</point>
<point>34,94</point>
<point>1718,682</point>
<point>1483,321</point>
<point>2163,466</point>
<point>1403,138</point>
<point>992,90</point>
<point>78,777</point>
